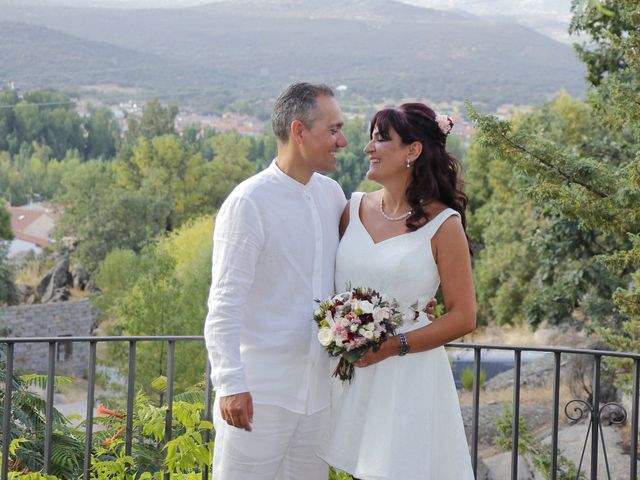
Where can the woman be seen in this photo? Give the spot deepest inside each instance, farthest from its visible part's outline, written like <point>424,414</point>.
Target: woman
<point>399,419</point>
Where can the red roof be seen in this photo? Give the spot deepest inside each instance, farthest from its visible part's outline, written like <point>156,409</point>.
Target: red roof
<point>34,223</point>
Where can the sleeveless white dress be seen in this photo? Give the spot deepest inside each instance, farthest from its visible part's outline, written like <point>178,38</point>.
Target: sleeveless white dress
<point>398,419</point>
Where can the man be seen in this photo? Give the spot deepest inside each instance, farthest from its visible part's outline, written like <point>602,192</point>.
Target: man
<point>275,241</point>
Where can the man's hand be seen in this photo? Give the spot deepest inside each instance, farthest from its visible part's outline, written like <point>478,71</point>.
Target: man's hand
<point>237,410</point>
<point>430,309</point>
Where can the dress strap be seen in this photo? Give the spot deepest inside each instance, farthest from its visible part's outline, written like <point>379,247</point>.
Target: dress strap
<point>354,205</point>
<point>434,224</point>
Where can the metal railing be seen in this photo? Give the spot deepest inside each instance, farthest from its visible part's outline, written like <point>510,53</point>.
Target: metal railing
<point>592,407</point>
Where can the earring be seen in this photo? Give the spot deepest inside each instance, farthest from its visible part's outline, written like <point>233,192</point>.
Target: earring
<point>408,163</point>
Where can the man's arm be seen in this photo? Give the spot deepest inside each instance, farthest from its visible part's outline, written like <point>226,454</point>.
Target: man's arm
<point>237,241</point>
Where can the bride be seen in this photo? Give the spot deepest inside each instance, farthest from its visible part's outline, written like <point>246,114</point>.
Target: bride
<point>399,419</point>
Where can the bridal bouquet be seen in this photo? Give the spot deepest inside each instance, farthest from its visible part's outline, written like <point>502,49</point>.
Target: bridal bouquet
<point>351,322</point>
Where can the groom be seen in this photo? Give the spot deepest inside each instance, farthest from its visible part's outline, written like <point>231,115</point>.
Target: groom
<point>274,249</point>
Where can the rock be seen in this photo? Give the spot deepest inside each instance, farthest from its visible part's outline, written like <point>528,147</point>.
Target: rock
<point>60,274</point>
<point>534,374</point>
<point>24,291</point>
<point>571,440</point>
<point>60,295</point>
<point>31,300</point>
<point>56,279</point>
<point>499,468</point>
<point>482,470</point>
<point>536,416</point>
<point>80,278</point>
<point>41,288</point>
<point>579,375</point>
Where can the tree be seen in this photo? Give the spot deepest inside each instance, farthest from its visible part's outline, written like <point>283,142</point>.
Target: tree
<point>532,265</point>
<point>161,291</point>
<point>103,134</point>
<point>5,223</point>
<point>351,162</point>
<point>104,217</point>
<point>43,118</point>
<point>193,185</point>
<point>156,121</point>
<point>230,164</point>
<point>8,290</point>
<point>599,190</point>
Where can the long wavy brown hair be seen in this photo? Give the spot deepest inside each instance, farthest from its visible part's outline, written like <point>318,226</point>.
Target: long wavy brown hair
<point>435,174</point>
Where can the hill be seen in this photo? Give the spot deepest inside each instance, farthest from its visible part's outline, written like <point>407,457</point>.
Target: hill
<point>46,56</point>
<point>249,49</point>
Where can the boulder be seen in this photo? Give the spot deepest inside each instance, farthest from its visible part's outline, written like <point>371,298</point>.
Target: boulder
<point>57,278</point>
<point>24,291</point>
<point>60,295</point>
<point>571,442</point>
<point>42,286</point>
<point>579,375</point>
<point>498,467</point>
<point>534,374</point>
<point>536,415</point>
<point>79,277</point>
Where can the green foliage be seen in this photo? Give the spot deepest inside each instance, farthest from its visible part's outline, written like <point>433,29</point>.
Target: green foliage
<point>184,456</point>
<point>28,427</point>
<point>156,121</point>
<point>193,185</point>
<point>104,217</point>
<point>532,447</point>
<point>8,289</point>
<point>103,134</point>
<point>367,185</point>
<point>351,161</point>
<point>467,377</point>
<point>338,475</point>
<point>161,291</point>
<point>230,165</point>
<point>576,166</point>
<point>534,263</point>
<point>5,223</point>
<point>32,173</point>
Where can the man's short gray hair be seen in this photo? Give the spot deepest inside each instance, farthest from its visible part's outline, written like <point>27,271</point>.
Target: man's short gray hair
<point>296,102</point>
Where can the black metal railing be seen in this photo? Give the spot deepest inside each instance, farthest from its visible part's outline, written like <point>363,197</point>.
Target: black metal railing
<point>592,407</point>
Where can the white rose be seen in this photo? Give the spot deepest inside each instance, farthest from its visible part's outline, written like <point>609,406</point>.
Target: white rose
<point>343,296</point>
<point>354,328</point>
<point>369,326</point>
<point>368,334</point>
<point>376,335</point>
<point>367,307</point>
<point>325,336</point>
<point>379,315</point>
<point>339,341</point>
<point>408,315</point>
<point>345,322</point>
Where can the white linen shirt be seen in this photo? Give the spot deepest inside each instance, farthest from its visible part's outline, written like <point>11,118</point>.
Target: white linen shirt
<point>274,248</point>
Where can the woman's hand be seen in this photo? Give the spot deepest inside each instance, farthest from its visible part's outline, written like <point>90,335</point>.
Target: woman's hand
<point>388,348</point>
<point>391,346</point>
<point>430,309</point>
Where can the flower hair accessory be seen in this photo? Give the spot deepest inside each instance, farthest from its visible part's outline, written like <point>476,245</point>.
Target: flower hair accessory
<point>444,123</point>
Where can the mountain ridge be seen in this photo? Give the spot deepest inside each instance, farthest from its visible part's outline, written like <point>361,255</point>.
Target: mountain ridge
<point>213,54</point>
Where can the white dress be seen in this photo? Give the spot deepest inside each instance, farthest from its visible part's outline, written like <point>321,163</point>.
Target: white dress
<point>398,419</point>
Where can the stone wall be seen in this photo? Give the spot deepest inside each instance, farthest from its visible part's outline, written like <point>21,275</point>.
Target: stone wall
<point>62,319</point>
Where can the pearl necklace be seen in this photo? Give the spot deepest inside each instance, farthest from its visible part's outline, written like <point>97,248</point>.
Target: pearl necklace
<point>389,218</point>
